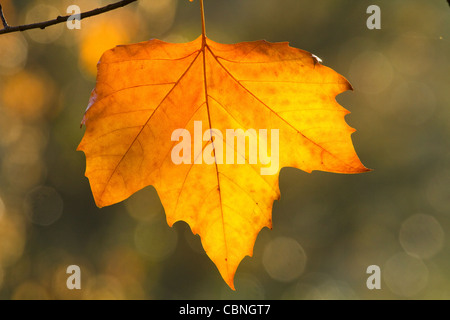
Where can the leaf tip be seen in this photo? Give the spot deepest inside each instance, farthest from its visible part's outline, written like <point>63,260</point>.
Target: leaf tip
<point>349,86</point>
<point>362,168</point>
<point>230,283</point>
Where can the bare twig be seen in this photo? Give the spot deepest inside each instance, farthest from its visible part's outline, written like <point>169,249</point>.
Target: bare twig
<point>2,16</point>
<point>60,19</point>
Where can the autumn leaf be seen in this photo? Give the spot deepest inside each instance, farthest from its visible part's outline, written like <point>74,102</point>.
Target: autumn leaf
<point>147,91</point>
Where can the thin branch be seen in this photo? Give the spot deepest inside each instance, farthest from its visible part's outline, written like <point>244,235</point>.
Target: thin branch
<point>2,16</point>
<point>60,19</point>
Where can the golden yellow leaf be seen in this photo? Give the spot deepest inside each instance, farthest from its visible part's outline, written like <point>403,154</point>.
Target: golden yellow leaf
<point>146,91</point>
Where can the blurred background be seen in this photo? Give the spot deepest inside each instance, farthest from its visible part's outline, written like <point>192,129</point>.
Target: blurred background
<point>327,228</point>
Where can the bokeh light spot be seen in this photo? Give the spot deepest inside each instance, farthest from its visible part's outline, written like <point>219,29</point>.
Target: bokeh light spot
<point>103,33</point>
<point>412,54</point>
<point>12,240</point>
<point>320,286</point>
<point>27,94</point>
<point>13,54</point>
<point>371,72</point>
<point>405,276</point>
<point>103,287</point>
<point>43,12</point>
<point>144,205</point>
<point>10,128</point>
<point>160,14</point>
<point>421,236</point>
<point>284,259</point>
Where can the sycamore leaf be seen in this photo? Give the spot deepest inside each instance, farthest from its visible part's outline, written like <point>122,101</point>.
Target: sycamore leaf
<point>145,92</point>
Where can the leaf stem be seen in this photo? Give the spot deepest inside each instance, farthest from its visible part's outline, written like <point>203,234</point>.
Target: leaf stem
<point>202,9</point>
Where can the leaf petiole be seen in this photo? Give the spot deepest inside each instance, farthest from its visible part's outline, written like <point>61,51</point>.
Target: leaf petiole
<point>202,9</point>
